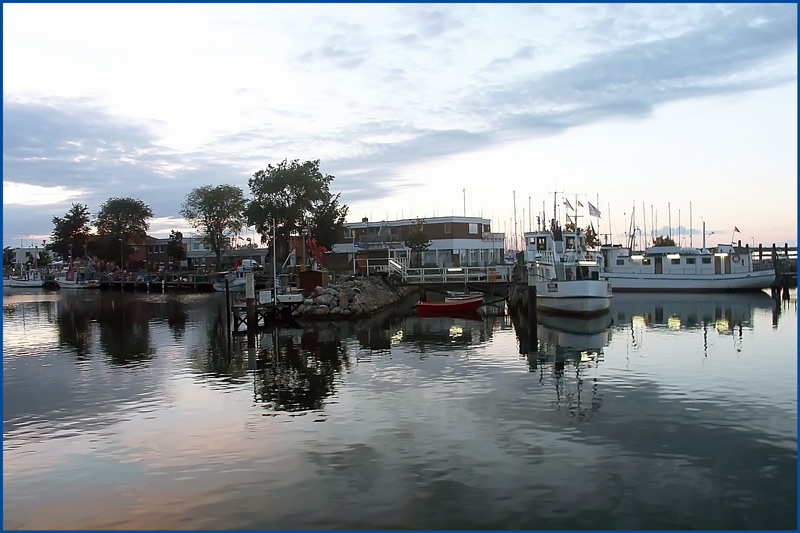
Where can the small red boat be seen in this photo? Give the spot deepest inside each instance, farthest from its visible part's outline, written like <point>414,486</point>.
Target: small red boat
<point>445,308</point>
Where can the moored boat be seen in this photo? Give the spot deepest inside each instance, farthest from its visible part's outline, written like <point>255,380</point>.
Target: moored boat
<point>725,268</point>
<point>464,305</point>
<point>565,274</point>
<point>29,278</point>
<point>236,280</point>
<point>77,278</point>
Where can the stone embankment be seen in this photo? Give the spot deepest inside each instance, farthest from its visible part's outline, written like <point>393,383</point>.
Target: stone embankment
<point>353,297</point>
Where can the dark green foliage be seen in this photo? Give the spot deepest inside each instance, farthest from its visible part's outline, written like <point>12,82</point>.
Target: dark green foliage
<point>124,217</point>
<point>217,213</point>
<point>175,248</point>
<point>418,242</point>
<point>72,229</point>
<point>295,195</point>
<point>8,255</point>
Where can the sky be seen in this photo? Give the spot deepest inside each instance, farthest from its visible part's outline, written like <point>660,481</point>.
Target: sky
<point>673,115</point>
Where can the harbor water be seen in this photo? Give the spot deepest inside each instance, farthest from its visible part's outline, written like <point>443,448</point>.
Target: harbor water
<point>132,410</point>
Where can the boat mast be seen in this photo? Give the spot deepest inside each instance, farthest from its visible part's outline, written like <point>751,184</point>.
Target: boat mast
<point>632,229</point>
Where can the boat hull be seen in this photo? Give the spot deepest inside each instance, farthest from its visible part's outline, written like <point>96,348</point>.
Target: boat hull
<point>443,308</point>
<point>745,281</point>
<point>573,297</point>
<point>22,283</point>
<point>237,285</point>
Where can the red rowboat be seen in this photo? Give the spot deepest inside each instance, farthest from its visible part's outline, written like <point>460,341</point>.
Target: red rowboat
<point>444,308</point>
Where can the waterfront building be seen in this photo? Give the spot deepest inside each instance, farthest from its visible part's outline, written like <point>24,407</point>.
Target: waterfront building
<point>456,241</point>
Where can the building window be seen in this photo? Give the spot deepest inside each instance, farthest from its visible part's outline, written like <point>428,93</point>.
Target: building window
<point>675,261</point>
<point>473,229</point>
<point>690,260</point>
<point>448,228</point>
<point>620,262</point>
<point>646,261</point>
<point>706,260</point>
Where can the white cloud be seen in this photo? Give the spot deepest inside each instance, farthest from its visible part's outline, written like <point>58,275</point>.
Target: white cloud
<point>27,194</point>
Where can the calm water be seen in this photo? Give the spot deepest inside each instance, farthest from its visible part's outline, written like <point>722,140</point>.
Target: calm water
<point>131,411</point>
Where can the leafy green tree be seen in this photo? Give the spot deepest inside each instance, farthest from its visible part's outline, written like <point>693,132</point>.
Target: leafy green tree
<point>44,258</point>
<point>418,242</point>
<point>175,249</point>
<point>217,213</point>
<point>592,238</point>
<point>71,231</point>
<point>8,256</point>
<point>121,218</point>
<point>327,222</point>
<point>295,195</point>
<point>663,241</point>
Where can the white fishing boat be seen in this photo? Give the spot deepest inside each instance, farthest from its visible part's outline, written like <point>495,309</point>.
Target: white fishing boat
<point>683,269</point>
<point>73,277</point>
<point>236,280</point>
<point>25,278</point>
<point>566,275</point>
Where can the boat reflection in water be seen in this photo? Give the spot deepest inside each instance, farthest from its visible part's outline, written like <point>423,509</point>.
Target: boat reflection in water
<point>569,339</point>
<point>726,312</point>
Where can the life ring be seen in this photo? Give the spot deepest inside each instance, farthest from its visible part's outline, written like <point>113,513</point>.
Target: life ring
<point>736,258</point>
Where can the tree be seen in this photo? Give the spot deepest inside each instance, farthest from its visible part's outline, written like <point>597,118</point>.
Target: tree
<point>663,241</point>
<point>175,249</point>
<point>8,256</point>
<point>217,213</point>
<point>71,233</point>
<point>295,195</point>
<point>418,242</point>
<point>592,239</point>
<point>121,218</point>
<point>327,222</point>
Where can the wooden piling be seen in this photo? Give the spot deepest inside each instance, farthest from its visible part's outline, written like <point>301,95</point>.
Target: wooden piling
<point>228,307</point>
<point>250,300</point>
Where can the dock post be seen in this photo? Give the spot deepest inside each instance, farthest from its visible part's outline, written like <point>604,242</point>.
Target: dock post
<point>250,296</point>
<point>228,307</point>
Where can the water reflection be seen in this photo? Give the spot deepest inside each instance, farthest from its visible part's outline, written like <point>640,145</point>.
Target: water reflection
<point>690,311</point>
<point>726,314</point>
<point>412,420</point>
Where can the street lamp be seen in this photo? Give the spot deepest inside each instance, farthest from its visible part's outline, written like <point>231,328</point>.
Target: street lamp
<point>121,251</point>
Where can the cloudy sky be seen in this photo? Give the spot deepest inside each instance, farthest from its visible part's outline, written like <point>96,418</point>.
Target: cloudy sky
<point>418,110</point>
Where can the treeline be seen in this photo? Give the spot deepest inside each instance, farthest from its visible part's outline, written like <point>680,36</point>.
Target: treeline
<point>291,195</point>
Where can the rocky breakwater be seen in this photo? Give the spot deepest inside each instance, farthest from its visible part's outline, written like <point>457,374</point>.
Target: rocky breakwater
<point>352,297</point>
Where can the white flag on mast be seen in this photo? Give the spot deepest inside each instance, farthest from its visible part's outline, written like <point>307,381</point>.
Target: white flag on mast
<point>593,211</point>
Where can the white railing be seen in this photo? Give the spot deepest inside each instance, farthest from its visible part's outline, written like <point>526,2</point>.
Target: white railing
<point>499,273</point>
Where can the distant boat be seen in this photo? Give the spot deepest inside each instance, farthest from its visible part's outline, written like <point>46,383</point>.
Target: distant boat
<point>77,278</point>
<point>237,280</point>
<point>25,278</point>
<point>457,296</point>
<point>565,274</point>
<point>458,305</point>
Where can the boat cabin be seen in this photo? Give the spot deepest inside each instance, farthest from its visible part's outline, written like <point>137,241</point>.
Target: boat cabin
<point>561,255</point>
<point>725,259</point>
